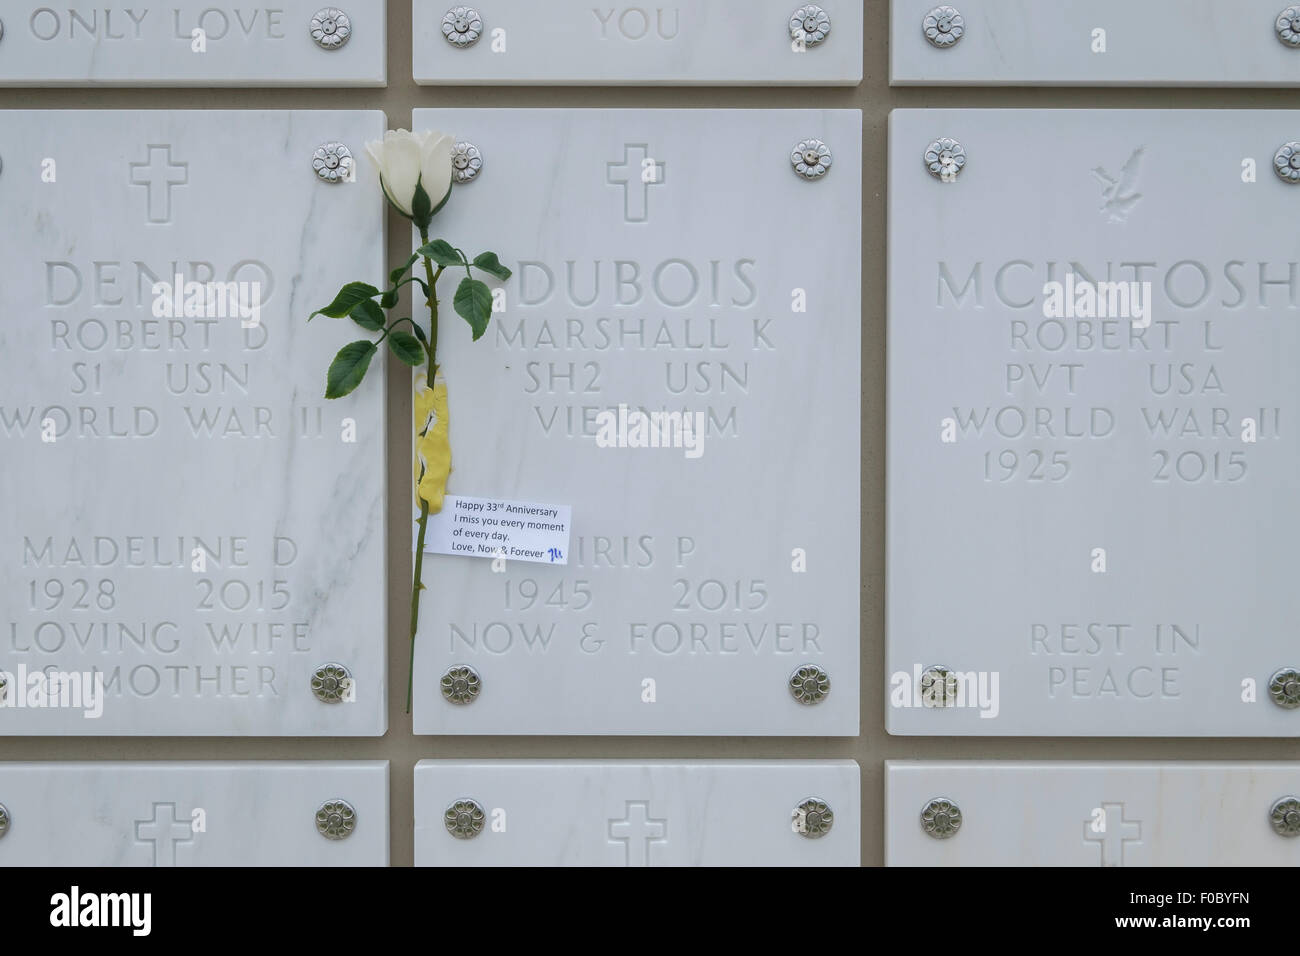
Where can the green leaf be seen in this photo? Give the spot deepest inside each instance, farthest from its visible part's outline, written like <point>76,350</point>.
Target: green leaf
<point>419,332</point>
<point>368,315</point>
<point>349,368</point>
<point>388,299</point>
<point>396,275</point>
<point>406,348</point>
<point>348,296</point>
<point>489,263</point>
<point>441,252</point>
<point>473,303</point>
<point>421,207</point>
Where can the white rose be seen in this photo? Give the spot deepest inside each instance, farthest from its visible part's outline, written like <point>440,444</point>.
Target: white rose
<point>407,160</point>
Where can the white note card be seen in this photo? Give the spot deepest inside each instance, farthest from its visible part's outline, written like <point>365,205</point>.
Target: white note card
<point>497,528</point>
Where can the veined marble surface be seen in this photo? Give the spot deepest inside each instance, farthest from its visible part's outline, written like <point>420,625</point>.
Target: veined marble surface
<point>1096,43</point>
<point>191,814</point>
<point>1085,502</point>
<point>664,261</point>
<point>629,813</point>
<point>189,43</point>
<point>181,511</point>
<point>575,43</point>
<point>1091,814</point>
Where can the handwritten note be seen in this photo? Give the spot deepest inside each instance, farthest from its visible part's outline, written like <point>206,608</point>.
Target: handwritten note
<point>497,528</point>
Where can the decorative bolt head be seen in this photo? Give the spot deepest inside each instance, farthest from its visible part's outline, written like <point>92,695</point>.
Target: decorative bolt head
<point>1284,688</point>
<point>945,158</point>
<point>330,682</point>
<point>938,687</point>
<point>811,159</point>
<point>464,819</point>
<point>809,684</point>
<point>810,23</point>
<point>1286,163</point>
<point>466,161</point>
<point>462,26</point>
<point>812,818</point>
<point>1288,27</point>
<point>1285,817</point>
<point>330,28</point>
<point>941,818</point>
<point>943,27</point>
<point>461,684</point>
<point>4,821</point>
<point>336,820</point>
<point>332,162</point>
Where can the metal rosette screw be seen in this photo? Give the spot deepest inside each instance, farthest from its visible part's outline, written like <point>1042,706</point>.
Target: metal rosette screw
<point>332,162</point>
<point>809,684</point>
<point>330,683</point>
<point>941,818</point>
<point>945,158</point>
<point>462,26</point>
<point>330,28</point>
<point>1288,27</point>
<point>336,819</point>
<point>1284,688</point>
<point>943,27</point>
<point>1285,817</point>
<point>1286,163</point>
<point>464,819</point>
<point>461,684</point>
<point>810,24</point>
<point>813,818</point>
<point>466,161</point>
<point>938,687</point>
<point>811,159</point>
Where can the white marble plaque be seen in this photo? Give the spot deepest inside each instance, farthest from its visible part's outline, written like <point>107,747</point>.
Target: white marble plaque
<point>1089,814</point>
<point>626,813</point>
<point>188,530</point>
<point>665,261</point>
<point>1097,43</point>
<point>194,814</point>
<point>576,43</point>
<point>192,43</point>
<point>1093,345</point>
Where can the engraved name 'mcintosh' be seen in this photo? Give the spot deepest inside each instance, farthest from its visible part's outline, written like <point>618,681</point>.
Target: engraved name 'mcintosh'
<point>1182,285</point>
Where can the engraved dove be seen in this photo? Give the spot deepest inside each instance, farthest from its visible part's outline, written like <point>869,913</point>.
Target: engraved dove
<point>1118,195</point>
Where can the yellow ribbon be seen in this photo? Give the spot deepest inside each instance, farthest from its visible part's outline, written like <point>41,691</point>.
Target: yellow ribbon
<point>432,444</point>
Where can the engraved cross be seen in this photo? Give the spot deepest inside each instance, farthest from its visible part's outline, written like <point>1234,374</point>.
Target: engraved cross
<point>1117,833</point>
<point>637,831</point>
<point>158,174</point>
<point>164,834</point>
<point>636,174</point>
